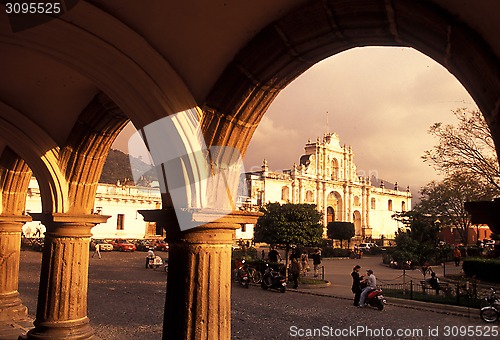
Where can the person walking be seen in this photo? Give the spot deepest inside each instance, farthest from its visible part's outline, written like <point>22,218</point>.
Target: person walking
<point>97,250</point>
<point>356,284</point>
<point>273,255</point>
<point>304,259</point>
<point>371,285</point>
<point>295,271</point>
<point>457,255</point>
<point>316,261</point>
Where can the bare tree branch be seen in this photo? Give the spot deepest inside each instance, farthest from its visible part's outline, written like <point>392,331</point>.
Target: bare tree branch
<point>467,148</point>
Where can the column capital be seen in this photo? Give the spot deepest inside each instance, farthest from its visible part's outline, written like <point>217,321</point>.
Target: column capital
<point>13,223</point>
<point>15,218</point>
<point>167,216</point>
<point>69,225</point>
<point>209,223</point>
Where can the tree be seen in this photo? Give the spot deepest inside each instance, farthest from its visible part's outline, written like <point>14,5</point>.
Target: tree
<point>445,200</point>
<point>289,224</point>
<point>416,242</point>
<point>467,148</point>
<point>340,231</point>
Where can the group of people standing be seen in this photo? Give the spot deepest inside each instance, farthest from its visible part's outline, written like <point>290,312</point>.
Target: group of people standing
<point>362,285</point>
<point>299,262</point>
<point>302,267</point>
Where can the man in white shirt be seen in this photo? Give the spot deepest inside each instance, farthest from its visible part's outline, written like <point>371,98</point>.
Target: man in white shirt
<point>371,285</point>
<point>97,250</point>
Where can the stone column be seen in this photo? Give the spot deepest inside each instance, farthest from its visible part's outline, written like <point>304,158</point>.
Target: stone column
<point>301,191</point>
<point>11,307</point>
<point>62,295</point>
<point>198,302</point>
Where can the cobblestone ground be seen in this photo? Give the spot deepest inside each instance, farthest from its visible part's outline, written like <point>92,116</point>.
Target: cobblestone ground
<point>126,302</point>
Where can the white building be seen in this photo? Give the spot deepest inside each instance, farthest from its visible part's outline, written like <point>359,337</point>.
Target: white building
<point>120,202</point>
<point>326,176</point>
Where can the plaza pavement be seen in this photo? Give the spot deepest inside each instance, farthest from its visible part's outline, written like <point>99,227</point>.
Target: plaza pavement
<point>126,302</point>
<point>338,273</point>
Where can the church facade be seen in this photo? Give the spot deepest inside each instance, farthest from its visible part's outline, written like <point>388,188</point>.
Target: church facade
<point>327,176</point>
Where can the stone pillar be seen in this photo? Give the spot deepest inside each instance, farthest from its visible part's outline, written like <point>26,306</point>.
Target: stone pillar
<point>301,191</point>
<point>198,302</point>
<point>325,207</point>
<point>11,307</point>
<point>344,204</point>
<point>62,295</point>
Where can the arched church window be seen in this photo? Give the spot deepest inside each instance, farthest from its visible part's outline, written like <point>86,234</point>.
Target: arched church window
<point>356,201</point>
<point>389,205</point>
<point>330,215</point>
<point>403,206</point>
<point>373,204</point>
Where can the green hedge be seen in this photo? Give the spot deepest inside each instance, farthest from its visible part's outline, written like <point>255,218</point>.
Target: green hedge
<point>483,269</point>
<point>335,252</point>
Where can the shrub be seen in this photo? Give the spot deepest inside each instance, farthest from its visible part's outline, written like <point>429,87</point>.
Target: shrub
<point>240,254</point>
<point>473,251</point>
<point>386,259</point>
<point>376,251</point>
<point>483,269</point>
<point>335,252</point>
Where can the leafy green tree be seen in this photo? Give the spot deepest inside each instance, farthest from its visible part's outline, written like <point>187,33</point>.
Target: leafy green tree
<point>445,200</point>
<point>340,231</point>
<point>289,224</point>
<point>416,242</point>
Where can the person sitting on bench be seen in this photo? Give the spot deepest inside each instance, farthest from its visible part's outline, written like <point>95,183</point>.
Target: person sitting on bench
<point>434,282</point>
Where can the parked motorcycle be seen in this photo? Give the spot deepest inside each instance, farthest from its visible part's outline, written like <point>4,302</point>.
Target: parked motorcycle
<point>273,280</point>
<point>491,311</point>
<point>376,299</point>
<point>243,276</point>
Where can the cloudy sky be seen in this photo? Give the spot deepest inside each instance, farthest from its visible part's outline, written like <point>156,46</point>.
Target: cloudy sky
<point>380,100</point>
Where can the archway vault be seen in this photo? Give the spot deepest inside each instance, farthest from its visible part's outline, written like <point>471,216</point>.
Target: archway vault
<point>119,61</point>
<point>40,152</point>
<point>322,28</point>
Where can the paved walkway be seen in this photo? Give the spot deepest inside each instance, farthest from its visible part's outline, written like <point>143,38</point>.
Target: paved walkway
<point>338,272</point>
<point>126,301</point>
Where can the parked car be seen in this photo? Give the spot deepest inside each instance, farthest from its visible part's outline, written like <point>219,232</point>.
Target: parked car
<point>123,245</point>
<point>489,243</point>
<point>103,245</point>
<point>161,245</point>
<point>144,245</point>
<point>366,246</point>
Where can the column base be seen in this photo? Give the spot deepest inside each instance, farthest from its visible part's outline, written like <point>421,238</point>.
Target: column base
<point>14,319</point>
<point>12,308</point>
<point>71,330</point>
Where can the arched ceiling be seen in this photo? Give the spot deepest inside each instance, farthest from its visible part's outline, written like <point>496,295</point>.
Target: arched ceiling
<point>44,89</point>
<point>172,50</point>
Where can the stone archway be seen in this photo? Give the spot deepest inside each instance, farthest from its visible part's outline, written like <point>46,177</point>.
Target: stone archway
<point>330,215</point>
<point>334,200</point>
<point>288,47</point>
<point>136,78</point>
